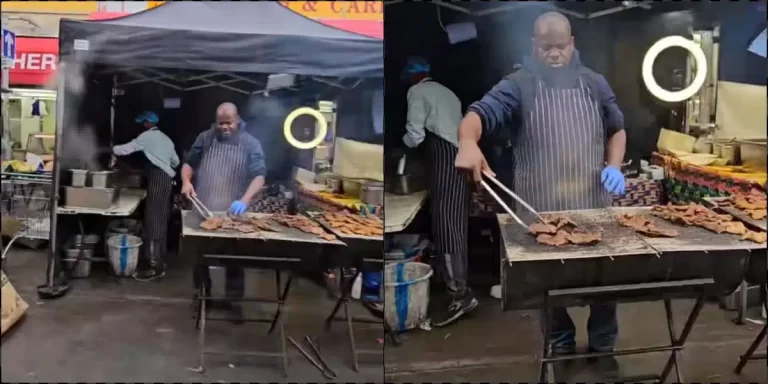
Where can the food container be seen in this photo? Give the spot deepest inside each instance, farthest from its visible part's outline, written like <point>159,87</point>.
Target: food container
<point>79,264</point>
<point>731,154</point>
<point>373,193</point>
<point>102,179</point>
<point>352,187</point>
<point>79,177</point>
<point>93,198</point>
<point>333,184</point>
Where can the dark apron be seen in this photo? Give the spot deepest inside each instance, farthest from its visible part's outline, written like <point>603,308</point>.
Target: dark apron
<point>157,214</point>
<point>560,151</point>
<point>222,178</point>
<point>449,199</point>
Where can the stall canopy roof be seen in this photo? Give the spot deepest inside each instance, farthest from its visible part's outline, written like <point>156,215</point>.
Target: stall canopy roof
<point>238,36</point>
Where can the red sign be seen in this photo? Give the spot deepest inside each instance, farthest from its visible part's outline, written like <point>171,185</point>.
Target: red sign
<point>36,61</point>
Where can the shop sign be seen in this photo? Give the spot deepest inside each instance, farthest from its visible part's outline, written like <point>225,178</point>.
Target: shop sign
<point>335,10</point>
<point>363,17</point>
<point>54,7</point>
<point>36,61</point>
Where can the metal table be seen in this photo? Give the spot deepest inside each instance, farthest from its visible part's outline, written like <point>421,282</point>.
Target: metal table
<point>364,253</point>
<point>623,267</point>
<point>280,251</point>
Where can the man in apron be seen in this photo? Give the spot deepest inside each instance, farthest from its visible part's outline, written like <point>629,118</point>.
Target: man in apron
<point>225,169</point>
<point>161,159</point>
<point>434,113</point>
<point>570,143</point>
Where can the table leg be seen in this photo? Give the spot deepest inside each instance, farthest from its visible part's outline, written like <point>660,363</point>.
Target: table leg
<point>546,375</point>
<point>201,329</point>
<point>346,290</point>
<point>350,331</point>
<point>749,354</point>
<point>680,341</point>
<point>675,356</point>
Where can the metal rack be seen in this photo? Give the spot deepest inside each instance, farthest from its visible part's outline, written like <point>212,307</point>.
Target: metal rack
<point>25,207</point>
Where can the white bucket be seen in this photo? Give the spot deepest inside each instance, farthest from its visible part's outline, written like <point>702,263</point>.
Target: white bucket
<point>406,294</point>
<point>123,252</point>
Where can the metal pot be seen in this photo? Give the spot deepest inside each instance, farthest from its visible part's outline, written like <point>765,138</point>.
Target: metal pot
<point>373,193</point>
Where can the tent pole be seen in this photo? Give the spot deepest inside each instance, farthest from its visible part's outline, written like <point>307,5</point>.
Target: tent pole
<point>112,112</point>
<point>56,285</point>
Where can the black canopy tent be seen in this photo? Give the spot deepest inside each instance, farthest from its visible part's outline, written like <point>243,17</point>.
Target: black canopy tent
<point>224,38</point>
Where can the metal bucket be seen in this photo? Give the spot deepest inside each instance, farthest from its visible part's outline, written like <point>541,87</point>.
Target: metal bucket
<point>406,294</point>
<point>123,253</point>
<point>83,267</point>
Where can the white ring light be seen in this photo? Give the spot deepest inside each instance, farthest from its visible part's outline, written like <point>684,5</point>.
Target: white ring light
<point>653,53</point>
<point>320,134</point>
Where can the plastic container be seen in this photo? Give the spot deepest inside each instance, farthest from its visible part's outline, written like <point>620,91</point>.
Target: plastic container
<point>406,294</point>
<point>79,177</point>
<point>123,253</point>
<point>79,269</point>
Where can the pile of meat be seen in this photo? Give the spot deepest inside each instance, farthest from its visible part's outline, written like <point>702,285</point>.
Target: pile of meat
<point>700,216</point>
<point>304,224</point>
<point>352,224</point>
<point>645,226</point>
<point>753,205</point>
<point>557,230</point>
<point>250,225</point>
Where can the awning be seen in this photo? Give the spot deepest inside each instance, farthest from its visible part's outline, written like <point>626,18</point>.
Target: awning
<point>36,61</point>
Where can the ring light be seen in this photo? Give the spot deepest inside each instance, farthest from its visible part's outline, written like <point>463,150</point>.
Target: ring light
<point>320,133</point>
<point>653,53</point>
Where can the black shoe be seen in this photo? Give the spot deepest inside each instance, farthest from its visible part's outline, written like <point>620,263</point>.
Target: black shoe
<point>457,309</point>
<point>607,366</point>
<point>149,274</point>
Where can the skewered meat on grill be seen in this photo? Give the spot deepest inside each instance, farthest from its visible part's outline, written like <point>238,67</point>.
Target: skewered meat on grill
<point>559,229</point>
<point>757,237</point>
<point>352,224</point>
<point>303,224</point>
<point>753,204</point>
<point>697,215</point>
<point>212,223</point>
<point>265,225</point>
<point>645,226</point>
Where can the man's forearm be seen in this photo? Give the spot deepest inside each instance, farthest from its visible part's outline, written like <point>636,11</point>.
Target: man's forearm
<point>617,146</point>
<point>470,128</point>
<point>253,188</point>
<point>186,173</point>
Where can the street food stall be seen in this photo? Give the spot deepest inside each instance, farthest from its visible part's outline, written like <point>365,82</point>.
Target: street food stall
<point>189,51</point>
<point>558,268</point>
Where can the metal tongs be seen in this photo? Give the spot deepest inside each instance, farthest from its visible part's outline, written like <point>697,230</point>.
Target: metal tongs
<point>200,207</point>
<point>510,193</point>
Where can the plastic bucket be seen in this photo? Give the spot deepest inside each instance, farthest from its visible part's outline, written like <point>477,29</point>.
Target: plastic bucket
<point>123,253</point>
<point>406,294</point>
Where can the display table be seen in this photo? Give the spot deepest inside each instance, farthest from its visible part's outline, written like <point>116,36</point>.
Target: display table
<point>685,182</point>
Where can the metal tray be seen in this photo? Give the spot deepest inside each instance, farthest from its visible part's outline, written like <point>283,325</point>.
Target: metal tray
<point>714,202</point>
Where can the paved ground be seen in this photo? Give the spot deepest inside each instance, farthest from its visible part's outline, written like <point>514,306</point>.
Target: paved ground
<point>109,329</point>
<point>119,330</point>
<point>493,346</point>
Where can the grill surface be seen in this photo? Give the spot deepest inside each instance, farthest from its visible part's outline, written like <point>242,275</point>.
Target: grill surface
<point>616,240</point>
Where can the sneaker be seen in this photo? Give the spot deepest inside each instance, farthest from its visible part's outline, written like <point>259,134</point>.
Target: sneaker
<point>457,309</point>
<point>149,274</point>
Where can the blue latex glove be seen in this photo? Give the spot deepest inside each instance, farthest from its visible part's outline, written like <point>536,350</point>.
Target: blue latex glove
<point>613,180</point>
<point>238,208</point>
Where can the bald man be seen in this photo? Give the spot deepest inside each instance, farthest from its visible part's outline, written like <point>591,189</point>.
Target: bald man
<point>569,146</point>
<point>225,169</point>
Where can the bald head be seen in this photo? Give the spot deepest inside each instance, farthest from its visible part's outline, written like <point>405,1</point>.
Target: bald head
<point>552,40</point>
<point>227,119</point>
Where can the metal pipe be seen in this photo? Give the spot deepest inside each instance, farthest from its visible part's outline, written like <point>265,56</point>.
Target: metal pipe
<point>53,267</point>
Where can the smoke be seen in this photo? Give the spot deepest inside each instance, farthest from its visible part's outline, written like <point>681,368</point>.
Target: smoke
<point>79,143</point>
